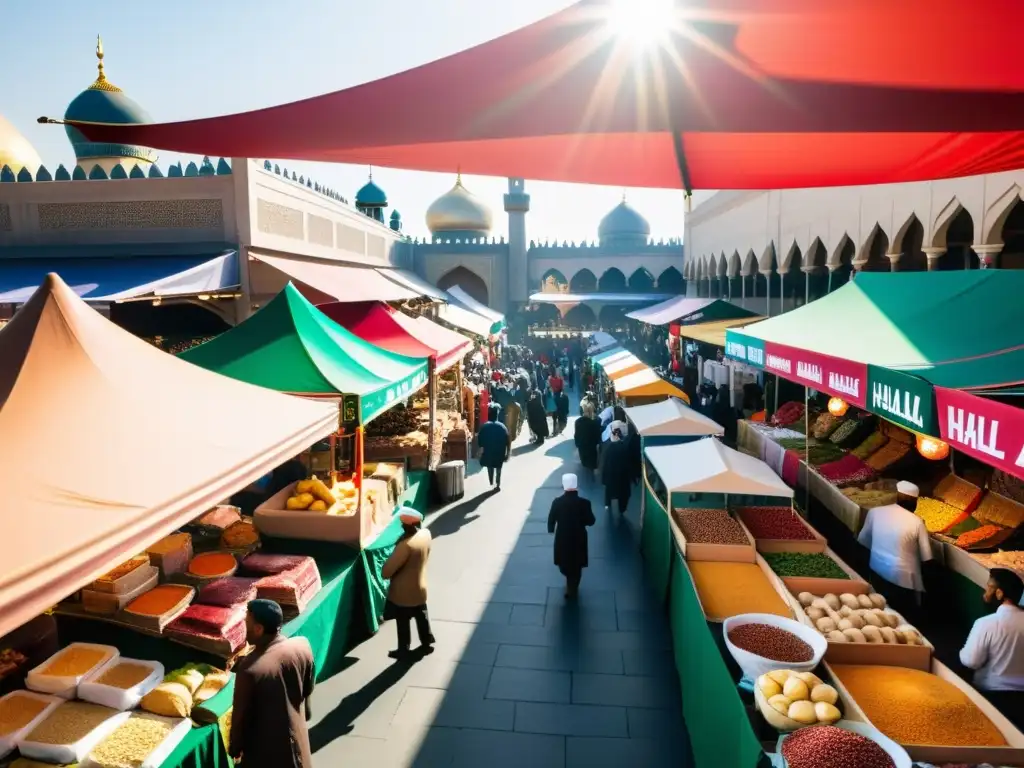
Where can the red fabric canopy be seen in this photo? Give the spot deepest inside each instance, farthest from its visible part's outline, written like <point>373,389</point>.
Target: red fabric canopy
<point>738,94</point>
<point>388,328</point>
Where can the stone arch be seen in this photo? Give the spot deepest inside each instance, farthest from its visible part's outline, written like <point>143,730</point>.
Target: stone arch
<point>734,265</point>
<point>845,251</point>
<point>1012,237</point>
<point>944,220</point>
<point>872,256</point>
<point>817,255</point>
<point>786,266</point>
<point>908,242</point>
<point>612,281</point>
<point>583,281</point>
<point>612,316</point>
<point>544,315</point>
<point>580,316</point>
<point>768,261</point>
<point>467,280</point>
<point>749,264</point>
<point>553,281</point>
<point>671,281</point>
<point>641,281</point>
<point>1006,204</point>
<point>958,240</point>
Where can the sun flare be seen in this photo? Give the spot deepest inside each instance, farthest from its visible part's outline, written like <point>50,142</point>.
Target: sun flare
<point>641,22</point>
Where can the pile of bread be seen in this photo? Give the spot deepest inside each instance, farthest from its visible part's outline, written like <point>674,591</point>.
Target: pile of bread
<point>857,619</point>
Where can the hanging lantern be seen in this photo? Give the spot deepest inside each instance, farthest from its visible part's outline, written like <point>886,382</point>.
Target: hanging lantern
<point>837,406</point>
<point>932,448</point>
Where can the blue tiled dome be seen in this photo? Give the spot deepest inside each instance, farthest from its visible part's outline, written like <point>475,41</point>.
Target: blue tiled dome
<point>104,102</point>
<point>623,223</point>
<point>371,196</point>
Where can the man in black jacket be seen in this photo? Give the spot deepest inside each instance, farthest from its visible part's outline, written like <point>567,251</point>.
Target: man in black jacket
<point>569,519</point>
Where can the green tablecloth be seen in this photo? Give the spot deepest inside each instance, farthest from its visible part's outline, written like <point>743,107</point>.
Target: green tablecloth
<point>717,721</point>
<point>656,543</point>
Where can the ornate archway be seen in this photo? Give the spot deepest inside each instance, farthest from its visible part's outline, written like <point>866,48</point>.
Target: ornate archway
<point>612,281</point>
<point>671,281</point>
<point>583,281</point>
<point>468,281</point>
<point>580,316</point>
<point>641,281</point>
<point>553,281</point>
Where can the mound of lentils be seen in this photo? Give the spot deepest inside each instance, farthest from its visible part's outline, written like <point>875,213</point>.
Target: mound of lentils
<point>825,746</point>
<point>770,642</point>
<point>709,526</point>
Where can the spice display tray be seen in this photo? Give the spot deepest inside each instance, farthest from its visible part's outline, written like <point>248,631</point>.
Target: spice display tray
<point>274,520</point>
<point>769,574</point>
<point>1012,754</point>
<point>855,585</point>
<point>121,699</point>
<point>130,582</point>
<point>157,623</point>
<point>899,755</point>
<point>67,754</point>
<point>67,686</point>
<point>9,741</point>
<point>163,750</point>
<point>109,603</point>
<point>726,553</point>
<point>883,654</point>
<point>818,544</point>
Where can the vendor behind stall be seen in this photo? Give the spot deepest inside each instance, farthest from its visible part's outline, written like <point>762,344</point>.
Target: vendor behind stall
<point>899,542</point>
<point>995,646</point>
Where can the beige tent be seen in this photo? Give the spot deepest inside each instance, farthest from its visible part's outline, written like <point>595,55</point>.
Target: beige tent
<point>671,418</point>
<point>110,444</point>
<point>708,466</point>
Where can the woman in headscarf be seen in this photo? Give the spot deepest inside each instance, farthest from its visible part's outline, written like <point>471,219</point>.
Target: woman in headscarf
<point>616,467</point>
<point>587,436</point>
<point>536,417</point>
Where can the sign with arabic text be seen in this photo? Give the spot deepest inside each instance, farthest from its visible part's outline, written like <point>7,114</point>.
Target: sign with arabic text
<point>833,375</point>
<point>745,349</point>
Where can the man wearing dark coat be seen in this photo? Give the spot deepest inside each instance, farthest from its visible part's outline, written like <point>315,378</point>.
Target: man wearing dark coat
<point>536,417</point>
<point>272,689</point>
<point>587,437</point>
<point>495,446</point>
<point>617,467</point>
<point>569,518</point>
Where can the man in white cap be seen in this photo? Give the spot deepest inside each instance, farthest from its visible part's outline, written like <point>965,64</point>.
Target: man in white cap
<point>569,519</point>
<point>407,592</point>
<point>899,541</point>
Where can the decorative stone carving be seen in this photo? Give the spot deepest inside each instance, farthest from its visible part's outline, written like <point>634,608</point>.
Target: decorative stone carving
<point>348,238</point>
<point>132,214</point>
<point>118,172</point>
<point>207,169</point>
<point>276,219</point>
<point>321,231</point>
<point>376,246</point>
<point>62,174</point>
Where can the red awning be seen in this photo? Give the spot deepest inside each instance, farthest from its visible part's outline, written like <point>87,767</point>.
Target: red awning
<point>738,94</point>
<point>396,332</point>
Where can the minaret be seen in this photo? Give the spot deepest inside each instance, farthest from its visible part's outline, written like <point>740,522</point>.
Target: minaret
<point>517,205</point>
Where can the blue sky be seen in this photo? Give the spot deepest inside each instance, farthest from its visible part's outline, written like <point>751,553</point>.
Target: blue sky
<point>196,58</point>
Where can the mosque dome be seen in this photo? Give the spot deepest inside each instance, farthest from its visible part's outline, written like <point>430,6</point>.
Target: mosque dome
<point>458,210</point>
<point>371,196</point>
<point>15,151</point>
<point>104,102</point>
<point>623,224</point>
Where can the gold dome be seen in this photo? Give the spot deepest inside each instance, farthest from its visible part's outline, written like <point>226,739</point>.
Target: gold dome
<point>15,151</point>
<point>458,210</point>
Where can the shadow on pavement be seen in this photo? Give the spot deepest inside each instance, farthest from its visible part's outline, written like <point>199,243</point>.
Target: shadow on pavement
<point>454,518</point>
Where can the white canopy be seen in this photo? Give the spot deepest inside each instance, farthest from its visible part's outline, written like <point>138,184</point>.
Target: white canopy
<point>671,417</point>
<point>473,305</point>
<point>616,364</point>
<point>600,341</point>
<point>708,466</point>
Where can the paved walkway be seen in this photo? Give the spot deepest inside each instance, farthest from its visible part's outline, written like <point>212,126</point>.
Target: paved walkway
<point>520,677</point>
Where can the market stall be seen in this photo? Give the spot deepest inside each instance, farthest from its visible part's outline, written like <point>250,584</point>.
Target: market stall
<point>467,302</point>
<point>645,387</point>
<point>291,346</point>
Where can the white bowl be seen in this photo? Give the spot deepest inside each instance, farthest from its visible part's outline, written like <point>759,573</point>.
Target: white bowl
<point>899,755</point>
<point>754,666</point>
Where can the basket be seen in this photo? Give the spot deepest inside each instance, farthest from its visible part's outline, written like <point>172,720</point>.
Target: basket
<point>754,666</point>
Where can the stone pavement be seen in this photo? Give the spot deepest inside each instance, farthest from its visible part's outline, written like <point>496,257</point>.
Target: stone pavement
<point>520,676</point>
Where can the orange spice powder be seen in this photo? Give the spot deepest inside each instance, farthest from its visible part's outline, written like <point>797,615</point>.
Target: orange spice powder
<point>159,600</point>
<point>212,564</point>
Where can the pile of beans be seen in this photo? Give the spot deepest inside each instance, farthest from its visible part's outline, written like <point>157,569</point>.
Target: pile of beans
<point>709,526</point>
<point>775,523</point>
<point>770,642</point>
<point>825,746</point>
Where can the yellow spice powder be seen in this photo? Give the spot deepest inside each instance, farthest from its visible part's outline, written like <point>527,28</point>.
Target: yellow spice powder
<point>74,662</point>
<point>125,675</point>
<point>729,589</point>
<point>17,711</point>
<point>915,707</point>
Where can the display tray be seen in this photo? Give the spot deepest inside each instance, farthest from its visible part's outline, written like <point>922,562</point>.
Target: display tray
<point>855,585</point>
<point>733,553</point>
<point>158,623</point>
<point>130,582</point>
<point>773,580</point>
<point>9,741</point>
<point>885,654</point>
<point>108,603</point>
<point>274,520</point>
<point>1012,754</point>
<point>163,750</point>
<point>810,546</point>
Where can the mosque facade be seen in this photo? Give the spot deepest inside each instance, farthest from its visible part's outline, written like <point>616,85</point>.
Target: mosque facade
<point>254,221</point>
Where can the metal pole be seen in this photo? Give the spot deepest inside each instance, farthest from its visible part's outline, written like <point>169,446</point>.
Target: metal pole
<point>432,400</point>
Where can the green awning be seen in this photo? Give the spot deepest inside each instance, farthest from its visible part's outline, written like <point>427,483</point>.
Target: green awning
<point>291,346</point>
<point>954,329</point>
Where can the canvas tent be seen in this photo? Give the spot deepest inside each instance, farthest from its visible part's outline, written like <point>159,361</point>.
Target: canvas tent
<point>600,342</point>
<point>467,302</point>
<point>291,346</point>
<point>727,103</point>
<point>684,311</point>
<point>645,383</point>
<point>623,366</point>
<point>465,320</point>
<point>708,466</point>
<point>671,418</point>
<point>143,443</point>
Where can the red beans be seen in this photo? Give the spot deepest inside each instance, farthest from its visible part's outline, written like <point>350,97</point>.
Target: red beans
<point>825,746</point>
<point>775,523</point>
<point>770,642</point>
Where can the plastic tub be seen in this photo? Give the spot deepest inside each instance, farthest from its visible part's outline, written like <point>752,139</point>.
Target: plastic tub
<point>69,754</point>
<point>121,699</point>
<point>899,755</point>
<point>67,686</point>
<point>754,666</point>
<point>9,741</point>
<point>159,755</point>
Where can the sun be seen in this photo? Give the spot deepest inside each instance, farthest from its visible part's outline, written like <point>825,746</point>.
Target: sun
<point>643,23</point>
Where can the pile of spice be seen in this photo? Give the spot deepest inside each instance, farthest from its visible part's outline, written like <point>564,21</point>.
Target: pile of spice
<point>212,565</point>
<point>938,515</point>
<point>125,675</point>
<point>18,710</point>
<point>709,526</point>
<point>74,661</point>
<point>957,492</point>
<point>729,589</point>
<point>914,707</point>
<point>871,443</point>
<point>815,565</point>
<point>998,510</point>
<point>69,723</point>
<point>160,600</point>
<point>849,470</point>
<point>770,642</point>
<point>983,536</point>
<point>133,741</point>
<point>826,746</point>
<point>775,523</point>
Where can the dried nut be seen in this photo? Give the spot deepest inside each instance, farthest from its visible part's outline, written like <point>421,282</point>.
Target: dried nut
<point>865,601</point>
<point>870,618</point>
<point>780,703</point>
<point>826,624</point>
<point>849,601</point>
<point>795,689</point>
<point>815,613</point>
<point>836,637</point>
<point>806,599</point>
<point>826,712</point>
<point>873,634</point>
<point>832,601</point>
<point>823,692</point>
<point>877,600</point>
<point>855,636</point>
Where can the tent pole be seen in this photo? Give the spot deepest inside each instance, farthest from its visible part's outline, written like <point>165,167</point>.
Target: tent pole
<point>432,400</point>
<point>807,459</point>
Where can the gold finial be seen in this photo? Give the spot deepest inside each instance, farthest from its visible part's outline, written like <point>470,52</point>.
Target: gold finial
<point>101,83</point>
